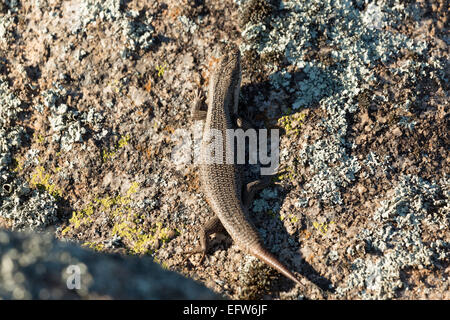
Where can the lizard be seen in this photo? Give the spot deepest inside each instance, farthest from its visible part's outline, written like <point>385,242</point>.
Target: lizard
<point>222,183</point>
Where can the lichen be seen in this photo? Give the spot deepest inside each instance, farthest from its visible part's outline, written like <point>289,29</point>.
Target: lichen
<point>126,223</point>
<point>402,220</point>
<point>355,40</point>
<point>110,154</point>
<point>292,123</point>
<point>24,205</point>
<point>43,180</point>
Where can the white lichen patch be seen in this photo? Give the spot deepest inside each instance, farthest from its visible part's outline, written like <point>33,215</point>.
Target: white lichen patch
<point>26,212</point>
<point>6,28</point>
<point>68,125</point>
<point>139,34</point>
<point>23,207</point>
<point>136,28</point>
<point>413,206</point>
<point>188,24</point>
<point>354,40</point>
<point>10,138</point>
<point>267,201</point>
<point>260,205</point>
<point>332,169</point>
<point>79,13</point>
<point>327,56</point>
<point>9,103</point>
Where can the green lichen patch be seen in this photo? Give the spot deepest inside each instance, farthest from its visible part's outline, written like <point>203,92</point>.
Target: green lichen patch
<point>126,223</point>
<point>292,123</point>
<point>43,180</point>
<point>110,154</point>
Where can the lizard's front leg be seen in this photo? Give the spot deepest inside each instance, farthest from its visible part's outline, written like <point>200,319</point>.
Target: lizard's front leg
<point>197,113</point>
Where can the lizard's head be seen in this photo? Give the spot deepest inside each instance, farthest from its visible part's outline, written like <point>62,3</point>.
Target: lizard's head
<point>230,71</point>
<point>231,57</point>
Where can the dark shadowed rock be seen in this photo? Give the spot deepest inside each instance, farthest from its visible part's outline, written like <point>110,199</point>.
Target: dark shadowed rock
<point>37,266</point>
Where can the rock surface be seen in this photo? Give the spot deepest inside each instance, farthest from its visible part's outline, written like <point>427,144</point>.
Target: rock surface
<point>96,94</point>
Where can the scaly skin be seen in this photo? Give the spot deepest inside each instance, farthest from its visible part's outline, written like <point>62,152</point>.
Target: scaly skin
<point>222,183</point>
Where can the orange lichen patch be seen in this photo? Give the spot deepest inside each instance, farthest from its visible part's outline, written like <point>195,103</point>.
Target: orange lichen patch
<point>193,182</point>
<point>205,74</point>
<point>305,234</point>
<point>147,152</point>
<point>169,129</point>
<point>148,85</point>
<point>172,13</point>
<point>212,62</point>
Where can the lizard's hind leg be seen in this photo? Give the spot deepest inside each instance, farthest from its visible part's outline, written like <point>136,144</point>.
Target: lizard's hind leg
<point>249,190</point>
<point>244,123</point>
<point>212,226</point>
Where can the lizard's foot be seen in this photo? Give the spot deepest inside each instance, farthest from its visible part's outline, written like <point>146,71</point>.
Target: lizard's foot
<point>197,113</point>
<point>212,226</point>
<point>244,123</point>
<point>199,249</point>
<point>249,190</point>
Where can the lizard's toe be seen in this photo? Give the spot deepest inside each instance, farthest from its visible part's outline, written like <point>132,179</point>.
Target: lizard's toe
<point>195,251</point>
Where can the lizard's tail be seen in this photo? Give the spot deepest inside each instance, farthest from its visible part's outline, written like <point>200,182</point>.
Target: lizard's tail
<point>269,258</point>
